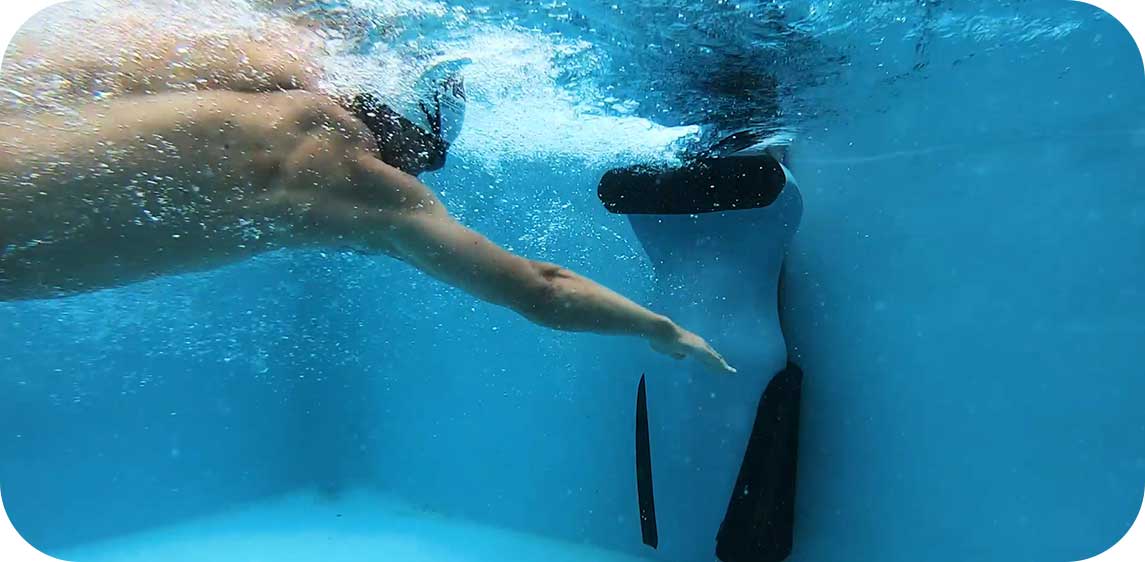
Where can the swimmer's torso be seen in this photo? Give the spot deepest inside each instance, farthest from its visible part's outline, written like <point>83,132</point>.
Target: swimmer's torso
<point>121,192</point>
<point>161,151</point>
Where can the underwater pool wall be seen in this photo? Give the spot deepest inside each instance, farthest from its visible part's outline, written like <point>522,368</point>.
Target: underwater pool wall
<point>145,406</point>
<point>965,297</point>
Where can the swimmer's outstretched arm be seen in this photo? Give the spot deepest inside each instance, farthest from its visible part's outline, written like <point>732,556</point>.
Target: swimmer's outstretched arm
<point>423,234</point>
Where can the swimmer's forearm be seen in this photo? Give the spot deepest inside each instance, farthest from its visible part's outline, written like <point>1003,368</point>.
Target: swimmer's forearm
<point>544,293</point>
<point>574,303</point>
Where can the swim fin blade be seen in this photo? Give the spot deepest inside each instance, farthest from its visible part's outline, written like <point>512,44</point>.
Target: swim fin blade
<point>759,523</point>
<point>647,505</point>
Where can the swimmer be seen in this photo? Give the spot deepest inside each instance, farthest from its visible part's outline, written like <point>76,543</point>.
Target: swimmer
<point>191,156</point>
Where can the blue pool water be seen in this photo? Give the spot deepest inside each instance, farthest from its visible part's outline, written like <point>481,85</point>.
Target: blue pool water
<point>963,294</point>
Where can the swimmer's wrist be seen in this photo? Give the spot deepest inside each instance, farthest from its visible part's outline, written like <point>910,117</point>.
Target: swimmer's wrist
<point>661,328</point>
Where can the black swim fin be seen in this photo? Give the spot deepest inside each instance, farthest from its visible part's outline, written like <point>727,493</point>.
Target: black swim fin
<point>760,520</point>
<point>648,530</point>
<point>708,236</point>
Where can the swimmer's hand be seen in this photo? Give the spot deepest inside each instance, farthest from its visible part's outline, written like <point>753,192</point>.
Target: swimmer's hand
<point>679,343</point>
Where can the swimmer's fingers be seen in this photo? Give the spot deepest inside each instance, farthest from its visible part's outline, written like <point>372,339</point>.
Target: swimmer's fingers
<point>713,360</point>
<point>686,344</point>
<point>703,352</point>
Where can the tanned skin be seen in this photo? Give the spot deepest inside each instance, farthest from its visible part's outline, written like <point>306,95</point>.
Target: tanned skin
<point>194,161</point>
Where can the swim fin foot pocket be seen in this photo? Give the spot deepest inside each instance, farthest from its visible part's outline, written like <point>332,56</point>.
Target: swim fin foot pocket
<point>703,185</point>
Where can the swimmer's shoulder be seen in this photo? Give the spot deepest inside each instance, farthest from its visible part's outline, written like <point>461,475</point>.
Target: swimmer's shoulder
<point>319,113</point>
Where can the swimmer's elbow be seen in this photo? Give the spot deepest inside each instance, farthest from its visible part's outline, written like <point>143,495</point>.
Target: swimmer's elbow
<point>546,297</point>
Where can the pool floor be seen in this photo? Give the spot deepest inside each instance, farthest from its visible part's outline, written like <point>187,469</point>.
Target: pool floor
<point>358,527</point>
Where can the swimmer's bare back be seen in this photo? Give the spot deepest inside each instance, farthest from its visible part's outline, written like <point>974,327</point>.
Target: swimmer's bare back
<point>155,181</point>
<point>130,54</point>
